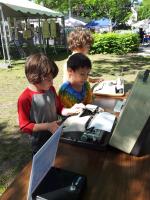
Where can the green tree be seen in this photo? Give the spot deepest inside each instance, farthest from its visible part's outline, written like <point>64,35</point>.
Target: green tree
<point>143,12</point>
<point>62,5</point>
<point>57,5</point>
<point>146,2</point>
<point>115,10</point>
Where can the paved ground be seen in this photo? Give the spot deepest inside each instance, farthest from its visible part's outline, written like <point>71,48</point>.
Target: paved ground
<point>144,50</point>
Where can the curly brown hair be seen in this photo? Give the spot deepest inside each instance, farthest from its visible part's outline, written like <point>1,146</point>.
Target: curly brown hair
<point>38,66</point>
<point>79,39</point>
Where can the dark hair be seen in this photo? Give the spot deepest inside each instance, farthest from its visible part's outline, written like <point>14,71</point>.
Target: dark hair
<point>78,60</point>
<point>38,66</point>
<point>79,39</point>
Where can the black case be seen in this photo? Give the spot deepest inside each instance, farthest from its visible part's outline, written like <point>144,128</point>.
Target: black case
<point>50,183</point>
<point>60,184</point>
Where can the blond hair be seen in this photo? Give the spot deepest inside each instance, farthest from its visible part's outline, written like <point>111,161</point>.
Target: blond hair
<point>79,39</point>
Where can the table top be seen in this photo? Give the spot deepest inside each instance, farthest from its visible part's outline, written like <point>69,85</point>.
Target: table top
<point>111,174</point>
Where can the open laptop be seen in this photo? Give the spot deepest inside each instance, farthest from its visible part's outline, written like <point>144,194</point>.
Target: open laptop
<point>50,183</point>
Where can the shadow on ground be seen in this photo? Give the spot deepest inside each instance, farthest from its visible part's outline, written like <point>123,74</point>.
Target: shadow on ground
<point>122,65</point>
<point>15,153</point>
<point>3,126</point>
<point>58,56</point>
<point>128,85</point>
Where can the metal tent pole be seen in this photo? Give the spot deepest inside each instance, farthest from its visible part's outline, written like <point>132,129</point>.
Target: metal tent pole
<point>64,33</point>
<point>9,28</point>
<point>39,34</point>
<point>5,36</point>
<point>2,44</point>
<point>69,2</point>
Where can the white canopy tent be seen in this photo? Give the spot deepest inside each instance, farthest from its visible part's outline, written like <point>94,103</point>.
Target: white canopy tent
<point>25,8</point>
<point>142,24</point>
<point>72,22</point>
<point>20,9</point>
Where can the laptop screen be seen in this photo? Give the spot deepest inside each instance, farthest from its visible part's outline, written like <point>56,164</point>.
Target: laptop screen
<point>42,161</point>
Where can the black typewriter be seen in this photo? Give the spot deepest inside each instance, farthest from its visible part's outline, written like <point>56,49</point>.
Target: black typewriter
<point>89,137</point>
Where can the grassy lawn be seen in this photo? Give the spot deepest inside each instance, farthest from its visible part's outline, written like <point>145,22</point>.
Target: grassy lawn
<point>14,147</point>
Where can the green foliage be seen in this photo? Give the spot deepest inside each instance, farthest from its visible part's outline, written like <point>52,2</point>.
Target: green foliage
<point>143,12</point>
<point>115,43</point>
<point>112,9</point>
<point>146,2</point>
<point>115,10</point>
<point>63,5</point>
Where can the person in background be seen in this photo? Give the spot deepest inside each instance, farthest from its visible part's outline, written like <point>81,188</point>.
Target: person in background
<point>79,41</point>
<point>141,34</point>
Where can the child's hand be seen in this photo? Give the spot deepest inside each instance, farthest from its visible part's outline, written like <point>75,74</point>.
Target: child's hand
<point>77,108</point>
<point>95,80</point>
<point>100,80</point>
<point>53,126</point>
<point>78,105</point>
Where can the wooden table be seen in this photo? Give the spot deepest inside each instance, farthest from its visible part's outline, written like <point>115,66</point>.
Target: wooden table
<point>111,174</point>
<point>108,102</point>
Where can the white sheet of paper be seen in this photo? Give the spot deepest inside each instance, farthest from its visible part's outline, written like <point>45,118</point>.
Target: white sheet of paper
<point>108,87</point>
<point>103,121</point>
<point>43,160</point>
<point>75,123</point>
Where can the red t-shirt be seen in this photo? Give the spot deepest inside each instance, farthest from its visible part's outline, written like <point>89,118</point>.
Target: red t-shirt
<point>38,107</point>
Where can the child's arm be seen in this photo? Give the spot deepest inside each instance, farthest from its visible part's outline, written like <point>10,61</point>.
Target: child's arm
<point>88,96</point>
<point>95,80</point>
<point>24,106</point>
<point>52,127</point>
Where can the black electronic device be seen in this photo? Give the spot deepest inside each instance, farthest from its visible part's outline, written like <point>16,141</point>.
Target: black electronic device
<point>60,184</point>
<point>88,134</point>
<point>50,183</point>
